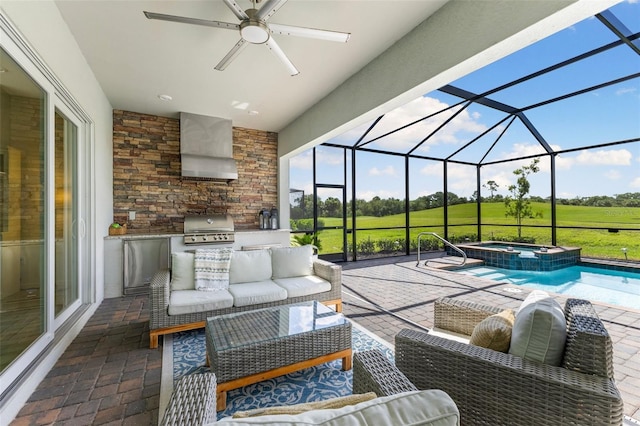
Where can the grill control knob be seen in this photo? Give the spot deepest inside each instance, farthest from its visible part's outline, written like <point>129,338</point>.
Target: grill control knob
<point>193,238</point>
<point>204,238</point>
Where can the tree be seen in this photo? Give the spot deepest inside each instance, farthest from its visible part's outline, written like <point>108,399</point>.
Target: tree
<point>332,208</point>
<point>492,186</point>
<point>517,204</point>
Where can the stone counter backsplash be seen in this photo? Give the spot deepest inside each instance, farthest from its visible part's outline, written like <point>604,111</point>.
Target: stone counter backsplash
<point>146,176</point>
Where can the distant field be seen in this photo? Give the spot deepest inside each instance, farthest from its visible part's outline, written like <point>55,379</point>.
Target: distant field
<point>594,243</point>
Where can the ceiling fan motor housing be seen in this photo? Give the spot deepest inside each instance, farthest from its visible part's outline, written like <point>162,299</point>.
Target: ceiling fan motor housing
<point>253,29</point>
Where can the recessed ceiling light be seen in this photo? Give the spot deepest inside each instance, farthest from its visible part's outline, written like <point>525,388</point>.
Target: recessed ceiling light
<point>253,112</point>
<point>165,97</point>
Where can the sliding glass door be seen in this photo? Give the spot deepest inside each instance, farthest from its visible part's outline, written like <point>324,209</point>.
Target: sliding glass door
<point>66,214</point>
<point>44,255</point>
<point>22,211</point>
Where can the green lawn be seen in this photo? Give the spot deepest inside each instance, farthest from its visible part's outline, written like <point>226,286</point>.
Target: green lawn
<point>594,243</point>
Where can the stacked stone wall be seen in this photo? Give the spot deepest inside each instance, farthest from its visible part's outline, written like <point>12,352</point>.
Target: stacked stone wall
<point>146,176</point>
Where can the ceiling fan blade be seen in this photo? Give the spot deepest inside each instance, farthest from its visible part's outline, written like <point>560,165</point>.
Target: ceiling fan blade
<point>194,21</point>
<point>235,51</point>
<point>269,9</point>
<point>309,33</point>
<point>273,47</point>
<point>236,9</point>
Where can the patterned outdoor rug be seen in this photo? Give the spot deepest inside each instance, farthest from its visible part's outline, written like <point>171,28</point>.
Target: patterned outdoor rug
<point>184,353</point>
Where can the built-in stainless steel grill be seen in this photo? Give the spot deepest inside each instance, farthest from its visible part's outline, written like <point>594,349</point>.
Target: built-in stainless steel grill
<point>208,229</point>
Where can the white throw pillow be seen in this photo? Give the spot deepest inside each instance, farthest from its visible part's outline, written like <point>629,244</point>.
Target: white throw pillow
<point>250,266</point>
<point>540,330</point>
<point>182,271</point>
<point>292,261</point>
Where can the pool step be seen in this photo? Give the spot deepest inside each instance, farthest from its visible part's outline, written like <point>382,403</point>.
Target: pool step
<point>451,263</point>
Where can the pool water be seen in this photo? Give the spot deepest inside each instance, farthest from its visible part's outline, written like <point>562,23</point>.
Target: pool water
<point>596,284</point>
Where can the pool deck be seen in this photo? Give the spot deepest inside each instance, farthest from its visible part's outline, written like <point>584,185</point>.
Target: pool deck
<point>387,295</point>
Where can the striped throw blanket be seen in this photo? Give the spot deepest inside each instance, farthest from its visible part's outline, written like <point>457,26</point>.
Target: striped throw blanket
<point>212,269</point>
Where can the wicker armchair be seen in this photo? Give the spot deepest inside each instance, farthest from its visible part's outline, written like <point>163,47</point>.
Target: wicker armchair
<point>494,388</point>
<point>193,400</point>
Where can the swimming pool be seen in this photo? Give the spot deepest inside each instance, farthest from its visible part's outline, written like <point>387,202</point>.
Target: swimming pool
<point>586,282</point>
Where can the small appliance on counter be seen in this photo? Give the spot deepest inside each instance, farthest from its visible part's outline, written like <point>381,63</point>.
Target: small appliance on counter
<point>264,219</point>
<point>274,218</point>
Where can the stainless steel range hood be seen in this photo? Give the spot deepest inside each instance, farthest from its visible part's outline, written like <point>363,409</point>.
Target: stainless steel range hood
<point>206,147</point>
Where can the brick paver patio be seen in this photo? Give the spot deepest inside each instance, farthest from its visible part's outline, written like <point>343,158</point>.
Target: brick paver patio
<point>387,295</point>
<point>109,376</point>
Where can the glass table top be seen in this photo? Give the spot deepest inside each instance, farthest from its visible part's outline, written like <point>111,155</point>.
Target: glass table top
<point>262,325</point>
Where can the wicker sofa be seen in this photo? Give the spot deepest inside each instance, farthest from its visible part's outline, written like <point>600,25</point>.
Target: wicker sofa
<point>193,402</point>
<point>165,320</point>
<point>495,388</point>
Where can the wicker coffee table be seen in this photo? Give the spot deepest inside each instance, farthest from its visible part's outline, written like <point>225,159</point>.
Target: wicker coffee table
<point>249,347</point>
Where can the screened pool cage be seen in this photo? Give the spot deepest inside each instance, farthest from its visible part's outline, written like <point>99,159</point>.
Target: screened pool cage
<point>542,146</point>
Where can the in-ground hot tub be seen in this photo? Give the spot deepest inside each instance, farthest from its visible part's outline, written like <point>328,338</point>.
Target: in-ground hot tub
<point>521,256</point>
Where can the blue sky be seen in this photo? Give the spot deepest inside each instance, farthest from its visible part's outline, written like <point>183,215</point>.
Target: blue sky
<point>605,115</point>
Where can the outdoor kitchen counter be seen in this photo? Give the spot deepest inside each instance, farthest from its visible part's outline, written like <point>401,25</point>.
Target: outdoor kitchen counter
<point>114,250</point>
<point>141,234</point>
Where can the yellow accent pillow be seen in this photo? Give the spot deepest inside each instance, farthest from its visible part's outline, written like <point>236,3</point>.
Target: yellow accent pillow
<point>494,332</point>
<point>338,402</point>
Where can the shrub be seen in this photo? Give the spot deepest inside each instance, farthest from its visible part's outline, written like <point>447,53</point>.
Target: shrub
<point>366,246</point>
<point>304,239</point>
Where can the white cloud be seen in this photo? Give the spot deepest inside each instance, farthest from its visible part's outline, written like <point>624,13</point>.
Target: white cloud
<point>503,178</point>
<point>613,174</point>
<point>302,161</point>
<point>625,90</point>
<point>333,159</point>
<point>635,183</point>
<point>613,157</point>
<point>387,171</point>
<point>407,138</point>
<point>434,169</point>
<point>567,195</point>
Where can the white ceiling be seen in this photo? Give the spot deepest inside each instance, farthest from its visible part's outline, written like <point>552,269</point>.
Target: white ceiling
<point>136,59</point>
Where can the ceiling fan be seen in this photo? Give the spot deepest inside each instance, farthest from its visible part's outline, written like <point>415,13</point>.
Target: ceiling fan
<point>254,29</point>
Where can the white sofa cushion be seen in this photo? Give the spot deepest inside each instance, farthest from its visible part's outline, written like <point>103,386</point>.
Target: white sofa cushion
<point>428,407</point>
<point>540,330</point>
<point>250,266</point>
<point>257,292</point>
<point>182,271</point>
<point>303,286</point>
<point>191,301</point>
<point>292,261</point>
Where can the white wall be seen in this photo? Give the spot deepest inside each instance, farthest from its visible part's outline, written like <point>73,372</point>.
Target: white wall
<point>42,27</point>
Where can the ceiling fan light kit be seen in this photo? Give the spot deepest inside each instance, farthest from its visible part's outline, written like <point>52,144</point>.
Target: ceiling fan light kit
<point>254,29</point>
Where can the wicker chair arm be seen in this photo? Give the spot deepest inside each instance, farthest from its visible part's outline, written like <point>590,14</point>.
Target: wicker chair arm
<point>492,387</point>
<point>159,290</point>
<point>460,316</point>
<point>373,372</point>
<point>193,401</point>
<point>329,271</point>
